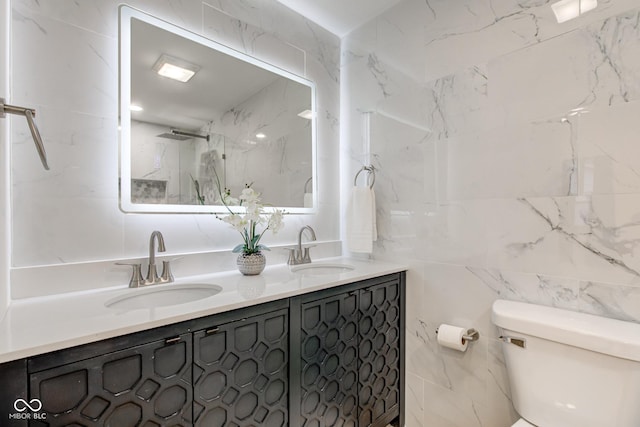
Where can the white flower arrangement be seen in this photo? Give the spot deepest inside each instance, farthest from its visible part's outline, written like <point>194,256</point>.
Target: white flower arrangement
<point>251,220</point>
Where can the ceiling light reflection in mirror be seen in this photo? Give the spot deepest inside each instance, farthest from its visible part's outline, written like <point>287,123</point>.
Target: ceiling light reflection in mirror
<point>219,116</point>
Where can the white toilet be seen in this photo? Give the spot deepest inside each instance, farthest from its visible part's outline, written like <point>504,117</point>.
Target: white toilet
<point>569,369</point>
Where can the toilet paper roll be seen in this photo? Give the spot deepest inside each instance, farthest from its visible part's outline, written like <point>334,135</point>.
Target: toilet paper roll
<point>451,337</point>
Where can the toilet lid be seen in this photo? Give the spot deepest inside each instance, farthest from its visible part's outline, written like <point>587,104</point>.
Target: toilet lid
<point>522,423</point>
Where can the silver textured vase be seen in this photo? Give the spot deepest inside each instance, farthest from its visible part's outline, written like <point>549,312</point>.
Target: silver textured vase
<point>251,264</point>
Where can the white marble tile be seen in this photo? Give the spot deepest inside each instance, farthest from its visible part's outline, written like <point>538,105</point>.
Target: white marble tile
<point>615,301</point>
<point>603,226</point>
<point>50,207</point>
<point>459,103</point>
<point>92,16</point>
<point>399,230</point>
<point>414,401</point>
<point>557,79</point>
<point>398,153</point>
<point>455,232</point>
<point>589,66</point>
<point>398,37</point>
<point>455,296</point>
<point>82,77</point>
<point>614,70</point>
<point>565,236</point>
<point>464,33</point>
<point>419,338</point>
<point>483,164</point>
<point>245,10</point>
<point>252,40</point>
<point>606,140</point>
<point>539,289</point>
<point>445,408</point>
<point>101,16</point>
<point>60,230</point>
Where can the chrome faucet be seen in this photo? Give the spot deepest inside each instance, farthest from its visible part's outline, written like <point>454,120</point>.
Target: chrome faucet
<point>299,255</point>
<point>152,273</point>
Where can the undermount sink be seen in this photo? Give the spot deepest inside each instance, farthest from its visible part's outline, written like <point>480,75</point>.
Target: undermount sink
<point>162,296</point>
<point>319,269</point>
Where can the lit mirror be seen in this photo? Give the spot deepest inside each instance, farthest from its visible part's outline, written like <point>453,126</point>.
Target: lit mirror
<point>198,118</point>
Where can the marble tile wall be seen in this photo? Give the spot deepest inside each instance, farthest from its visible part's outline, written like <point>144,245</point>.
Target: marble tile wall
<point>64,63</point>
<point>507,157</point>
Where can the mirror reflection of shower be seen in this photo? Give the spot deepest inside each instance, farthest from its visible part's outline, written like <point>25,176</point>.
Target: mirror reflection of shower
<point>182,135</point>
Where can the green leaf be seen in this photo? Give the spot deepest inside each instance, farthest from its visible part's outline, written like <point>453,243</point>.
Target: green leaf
<point>238,249</point>
<point>262,248</point>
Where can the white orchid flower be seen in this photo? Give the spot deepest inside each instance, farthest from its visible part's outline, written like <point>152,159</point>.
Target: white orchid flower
<point>275,221</point>
<point>236,221</point>
<point>249,223</point>
<point>249,195</point>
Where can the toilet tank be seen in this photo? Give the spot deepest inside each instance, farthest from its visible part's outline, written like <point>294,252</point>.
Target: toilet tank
<point>569,369</point>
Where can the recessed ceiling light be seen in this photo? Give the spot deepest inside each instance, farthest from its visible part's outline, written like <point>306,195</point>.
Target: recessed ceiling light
<point>306,114</point>
<point>566,10</point>
<point>261,135</point>
<point>174,68</point>
<point>134,107</point>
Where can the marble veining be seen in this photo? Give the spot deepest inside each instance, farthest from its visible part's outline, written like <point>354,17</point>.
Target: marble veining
<point>523,185</point>
<point>614,70</point>
<point>581,224</point>
<point>54,213</point>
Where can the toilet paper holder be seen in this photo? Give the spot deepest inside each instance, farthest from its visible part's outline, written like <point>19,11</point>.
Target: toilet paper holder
<point>471,335</point>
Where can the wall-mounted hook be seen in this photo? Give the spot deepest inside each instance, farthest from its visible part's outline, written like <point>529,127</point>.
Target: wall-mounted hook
<point>29,113</point>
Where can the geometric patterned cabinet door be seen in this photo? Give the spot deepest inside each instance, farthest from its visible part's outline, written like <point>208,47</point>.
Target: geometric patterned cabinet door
<point>379,354</point>
<point>147,385</point>
<point>329,361</point>
<point>240,372</point>
<point>347,354</point>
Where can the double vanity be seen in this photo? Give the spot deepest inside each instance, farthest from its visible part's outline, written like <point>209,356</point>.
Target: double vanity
<point>307,344</point>
<point>312,344</point>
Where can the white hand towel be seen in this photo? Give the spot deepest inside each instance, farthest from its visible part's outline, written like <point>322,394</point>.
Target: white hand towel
<point>361,220</point>
<point>308,200</point>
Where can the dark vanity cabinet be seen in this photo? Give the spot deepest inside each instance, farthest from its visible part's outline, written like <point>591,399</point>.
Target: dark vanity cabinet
<point>326,358</point>
<point>241,371</point>
<point>146,385</point>
<point>327,363</point>
<point>347,368</point>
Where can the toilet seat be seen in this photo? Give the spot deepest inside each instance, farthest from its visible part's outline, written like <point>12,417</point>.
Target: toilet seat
<point>522,423</point>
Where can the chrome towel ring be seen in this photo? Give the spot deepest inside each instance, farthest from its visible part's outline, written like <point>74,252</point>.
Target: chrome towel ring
<point>371,172</point>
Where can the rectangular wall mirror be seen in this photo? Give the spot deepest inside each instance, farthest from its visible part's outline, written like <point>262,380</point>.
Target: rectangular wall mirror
<point>198,118</point>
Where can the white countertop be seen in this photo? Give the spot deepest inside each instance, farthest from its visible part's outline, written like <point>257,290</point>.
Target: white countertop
<point>40,325</point>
